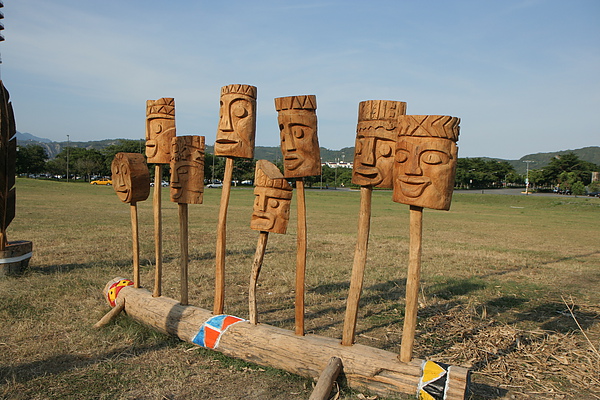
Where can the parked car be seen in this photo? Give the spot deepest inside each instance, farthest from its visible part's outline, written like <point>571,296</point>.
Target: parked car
<point>214,185</point>
<point>102,181</point>
<point>163,184</point>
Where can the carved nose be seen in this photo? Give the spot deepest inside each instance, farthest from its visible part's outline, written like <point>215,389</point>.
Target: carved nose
<point>368,152</point>
<point>225,123</point>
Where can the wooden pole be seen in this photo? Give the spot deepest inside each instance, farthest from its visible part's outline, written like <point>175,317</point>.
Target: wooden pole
<point>112,314</point>
<point>412,283</point>
<point>256,266</point>
<point>135,239</point>
<point>326,379</point>
<point>183,243</point>
<point>358,268</point>
<point>156,203</point>
<point>365,368</point>
<point>219,302</point>
<point>300,258</point>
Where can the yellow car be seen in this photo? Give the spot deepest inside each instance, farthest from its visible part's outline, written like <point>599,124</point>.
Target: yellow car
<point>101,182</point>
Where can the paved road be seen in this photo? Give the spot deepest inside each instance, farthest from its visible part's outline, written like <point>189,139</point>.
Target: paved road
<point>515,192</point>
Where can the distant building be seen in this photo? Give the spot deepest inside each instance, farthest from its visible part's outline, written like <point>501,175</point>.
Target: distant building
<point>337,164</point>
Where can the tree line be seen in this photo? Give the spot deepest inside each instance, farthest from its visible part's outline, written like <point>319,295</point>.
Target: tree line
<point>567,172</point>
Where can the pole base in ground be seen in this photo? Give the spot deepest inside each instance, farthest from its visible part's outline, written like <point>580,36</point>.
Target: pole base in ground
<point>15,257</point>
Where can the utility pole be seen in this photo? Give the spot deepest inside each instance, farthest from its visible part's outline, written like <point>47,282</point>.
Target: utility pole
<point>68,143</point>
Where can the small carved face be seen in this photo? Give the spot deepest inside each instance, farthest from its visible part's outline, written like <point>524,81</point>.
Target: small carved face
<point>237,126</point>
<point>187,169</point>
<point>271,209</point>
<point>130,177</point>
<point>160,129</point>
<point>299,143</point>
<point>374,153</point>
<point>424,171</point>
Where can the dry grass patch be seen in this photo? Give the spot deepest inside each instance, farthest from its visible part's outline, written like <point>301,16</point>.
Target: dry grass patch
<point>494,271</point>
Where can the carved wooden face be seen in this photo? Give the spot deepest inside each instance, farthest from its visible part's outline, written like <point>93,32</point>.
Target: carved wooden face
<point>374,153</point>
<point>299,143</point>
<point>424,171</point>
<point>160,129</point>
<point>237,126</point>
<point>187,169</point>
<point>130,177</point>
<point>271,209</point>
<point>273,197</point>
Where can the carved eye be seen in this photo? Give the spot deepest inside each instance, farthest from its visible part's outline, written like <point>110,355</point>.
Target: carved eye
<point>273,203</point>
<point>359,146</point>
<point>433,157</point>
<point>384,150</point>
<point>298,132</point>
<point>401,156</point>
<point>240,111</point>
<point>157,128</point>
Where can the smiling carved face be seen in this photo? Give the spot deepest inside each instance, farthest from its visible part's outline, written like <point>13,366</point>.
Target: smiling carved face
<point>424,170</point>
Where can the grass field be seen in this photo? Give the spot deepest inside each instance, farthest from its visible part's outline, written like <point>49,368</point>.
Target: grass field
<point>500,276</point>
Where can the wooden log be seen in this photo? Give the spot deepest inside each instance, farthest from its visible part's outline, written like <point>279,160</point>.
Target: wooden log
<point>300,258</point>
<point>365,368</point>
<point>157,204</point>
<point>184,253</point>
<point>358,268</point>
<point>412,283</point>
<point>135,241</point>
<point>219,302</point>
<point>256,266</point>
<point>326,379</point>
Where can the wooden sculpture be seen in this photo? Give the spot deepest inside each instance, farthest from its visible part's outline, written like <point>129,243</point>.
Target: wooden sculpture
<point>271,214</point>
<point>424,170</point>
<point>235,138</point>
<point>131,181</point>
<point>297,120</point>
<point>364,367</point>
<point>14,256</point>
<point>376,134</point>
<point>160,130</point>
<point>187,187</point>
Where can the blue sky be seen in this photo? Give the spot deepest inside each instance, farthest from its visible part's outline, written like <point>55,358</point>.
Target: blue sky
<point>523,75</point>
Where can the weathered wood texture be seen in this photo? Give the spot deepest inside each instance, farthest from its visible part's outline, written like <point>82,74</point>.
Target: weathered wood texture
<point>425,161</point>
<point>358,267</point>
<point>376,134</point>
<point>413,281</point>
<point>299,141</point>
<point>184,251</point>
<point>187,169</point>
<point>365,367</point>
<point>8,158</point>
<point>160,129</point>
<point>157,209</point>
<point>301,252</point>
<point>326,380</point>
<point>130,177</point>
<point>219,299</point>
<point>259,255</point>
<point>135,244</point>
<point>237,122</point>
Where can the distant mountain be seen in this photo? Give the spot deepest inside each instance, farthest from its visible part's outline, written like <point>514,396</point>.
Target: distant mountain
<point>540,160</point>
<point>24,137</point>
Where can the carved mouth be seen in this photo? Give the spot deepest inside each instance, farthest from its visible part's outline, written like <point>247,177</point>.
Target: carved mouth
<point>262,220</point>
<point>413,186</point>
<point>369,175</point>
<point>226,141</point>
<point>292,161</point>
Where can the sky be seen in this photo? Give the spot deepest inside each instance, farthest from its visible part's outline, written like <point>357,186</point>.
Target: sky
<point>523,75</point>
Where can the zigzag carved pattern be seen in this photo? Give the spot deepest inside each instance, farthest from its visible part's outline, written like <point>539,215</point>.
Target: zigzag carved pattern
<point>441,126</point>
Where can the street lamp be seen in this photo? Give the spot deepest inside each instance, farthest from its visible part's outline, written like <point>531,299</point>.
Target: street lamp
<point>68,142</point>
<point>527,178</point>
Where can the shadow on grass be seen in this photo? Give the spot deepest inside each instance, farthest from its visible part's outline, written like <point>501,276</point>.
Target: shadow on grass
<point>61,363</point>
